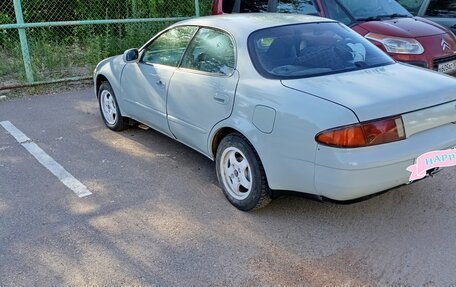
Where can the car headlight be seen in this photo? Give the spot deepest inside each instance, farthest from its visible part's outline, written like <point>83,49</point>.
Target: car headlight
<point>397,45</point>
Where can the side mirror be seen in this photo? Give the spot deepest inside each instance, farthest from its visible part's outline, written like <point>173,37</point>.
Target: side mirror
<point>130,55</point>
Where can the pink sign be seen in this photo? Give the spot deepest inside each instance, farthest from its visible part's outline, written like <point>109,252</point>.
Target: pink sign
<point>430,160</point>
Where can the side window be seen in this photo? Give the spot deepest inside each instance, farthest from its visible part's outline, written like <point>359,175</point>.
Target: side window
<point>441,8</point>
<point>246,6</point>
<point>336,12</point>
<point>297,6</point>
<point>210,51</point>
<point>228,6</point>
<point>249,6</point>
<point>169,47</point>
<point>413,6</point>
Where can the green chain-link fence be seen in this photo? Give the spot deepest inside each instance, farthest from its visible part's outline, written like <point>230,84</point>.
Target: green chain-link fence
<point>52,40</point>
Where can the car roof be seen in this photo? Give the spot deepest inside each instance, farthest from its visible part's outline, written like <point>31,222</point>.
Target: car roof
<point>250,22</point>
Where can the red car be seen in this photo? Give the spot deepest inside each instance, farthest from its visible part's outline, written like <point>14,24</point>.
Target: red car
<point>386,23</point>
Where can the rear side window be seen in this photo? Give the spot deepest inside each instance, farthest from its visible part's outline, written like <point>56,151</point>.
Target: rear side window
<point>211,51</point>
<point>442,8</point>
<point>297,6</point>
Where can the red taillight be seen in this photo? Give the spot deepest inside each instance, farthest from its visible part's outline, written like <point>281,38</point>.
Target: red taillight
<point>364,134</point>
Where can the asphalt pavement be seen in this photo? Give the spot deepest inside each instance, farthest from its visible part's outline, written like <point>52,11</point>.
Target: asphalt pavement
<point>156,216</point>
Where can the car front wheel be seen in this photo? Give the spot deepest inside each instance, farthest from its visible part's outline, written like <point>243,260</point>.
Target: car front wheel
<point>241,174</point>
<point>109,108</point>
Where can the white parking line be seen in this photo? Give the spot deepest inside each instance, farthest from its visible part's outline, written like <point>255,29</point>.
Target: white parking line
<point>48,162</point>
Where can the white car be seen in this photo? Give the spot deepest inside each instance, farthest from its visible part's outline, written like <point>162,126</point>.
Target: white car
<point>282,102</point>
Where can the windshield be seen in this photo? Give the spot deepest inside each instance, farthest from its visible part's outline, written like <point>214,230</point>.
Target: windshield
<point>312,49</point>
<point>372,9</point>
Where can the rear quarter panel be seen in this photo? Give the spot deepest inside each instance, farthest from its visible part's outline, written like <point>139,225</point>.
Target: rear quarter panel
<point>288,152</point>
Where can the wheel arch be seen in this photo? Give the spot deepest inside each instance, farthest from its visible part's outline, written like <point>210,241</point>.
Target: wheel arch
<point>109,70</point>
<point>217,138</point>
<point>246,130</point>
<point>99,79</point>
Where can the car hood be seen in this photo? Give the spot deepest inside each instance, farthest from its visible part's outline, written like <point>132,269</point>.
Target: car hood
<point>380,92</point>
<point>446,22</point>
<point>404,27</point>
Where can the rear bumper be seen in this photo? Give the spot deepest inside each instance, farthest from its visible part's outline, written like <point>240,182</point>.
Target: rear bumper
<point>346,174</point>
<point>351,184</point>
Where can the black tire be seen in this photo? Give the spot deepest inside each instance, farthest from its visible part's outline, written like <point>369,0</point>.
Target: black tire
<point>259,194</point>
<point>105,94</point>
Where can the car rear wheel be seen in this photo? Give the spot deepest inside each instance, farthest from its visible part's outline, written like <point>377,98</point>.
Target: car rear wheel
<point>109,108</point>
<point>241,174</point>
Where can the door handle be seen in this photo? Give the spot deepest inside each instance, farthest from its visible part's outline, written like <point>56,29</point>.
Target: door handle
<point>160,83</point>
<point>222,99</point>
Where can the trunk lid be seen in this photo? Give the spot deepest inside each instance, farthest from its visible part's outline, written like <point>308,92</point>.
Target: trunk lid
<point>386,91</point>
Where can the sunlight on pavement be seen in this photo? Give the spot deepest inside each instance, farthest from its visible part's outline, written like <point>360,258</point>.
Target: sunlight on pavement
<point>123,144</point>
<point>3,207</point>
<point>80,207</point>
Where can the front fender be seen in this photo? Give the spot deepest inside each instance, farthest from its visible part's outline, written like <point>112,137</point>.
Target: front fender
<point>109,69</point>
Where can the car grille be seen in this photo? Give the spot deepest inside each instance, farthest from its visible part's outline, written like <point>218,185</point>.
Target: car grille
<point>436,62</point>
<point>417,63</point>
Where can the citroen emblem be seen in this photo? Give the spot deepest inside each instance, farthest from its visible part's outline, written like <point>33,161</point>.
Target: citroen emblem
<point>445,45</point>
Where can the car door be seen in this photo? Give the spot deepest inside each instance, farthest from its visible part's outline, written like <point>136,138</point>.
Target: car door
<point>145,83</point>
<point>201,92</point>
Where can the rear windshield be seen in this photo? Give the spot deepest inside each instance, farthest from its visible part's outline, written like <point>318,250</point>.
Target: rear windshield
<point>312,49</point>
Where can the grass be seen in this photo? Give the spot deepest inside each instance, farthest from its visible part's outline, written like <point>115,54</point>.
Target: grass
<point>11,67</point>
<point>58,53</point>
<point>72,51</point>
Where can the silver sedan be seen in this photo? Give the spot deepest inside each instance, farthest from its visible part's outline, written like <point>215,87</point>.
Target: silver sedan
<point>282,102</point>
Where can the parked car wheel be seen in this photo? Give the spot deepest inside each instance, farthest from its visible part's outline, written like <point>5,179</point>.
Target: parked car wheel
<point>109,108</point>
<point>241,174</point>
